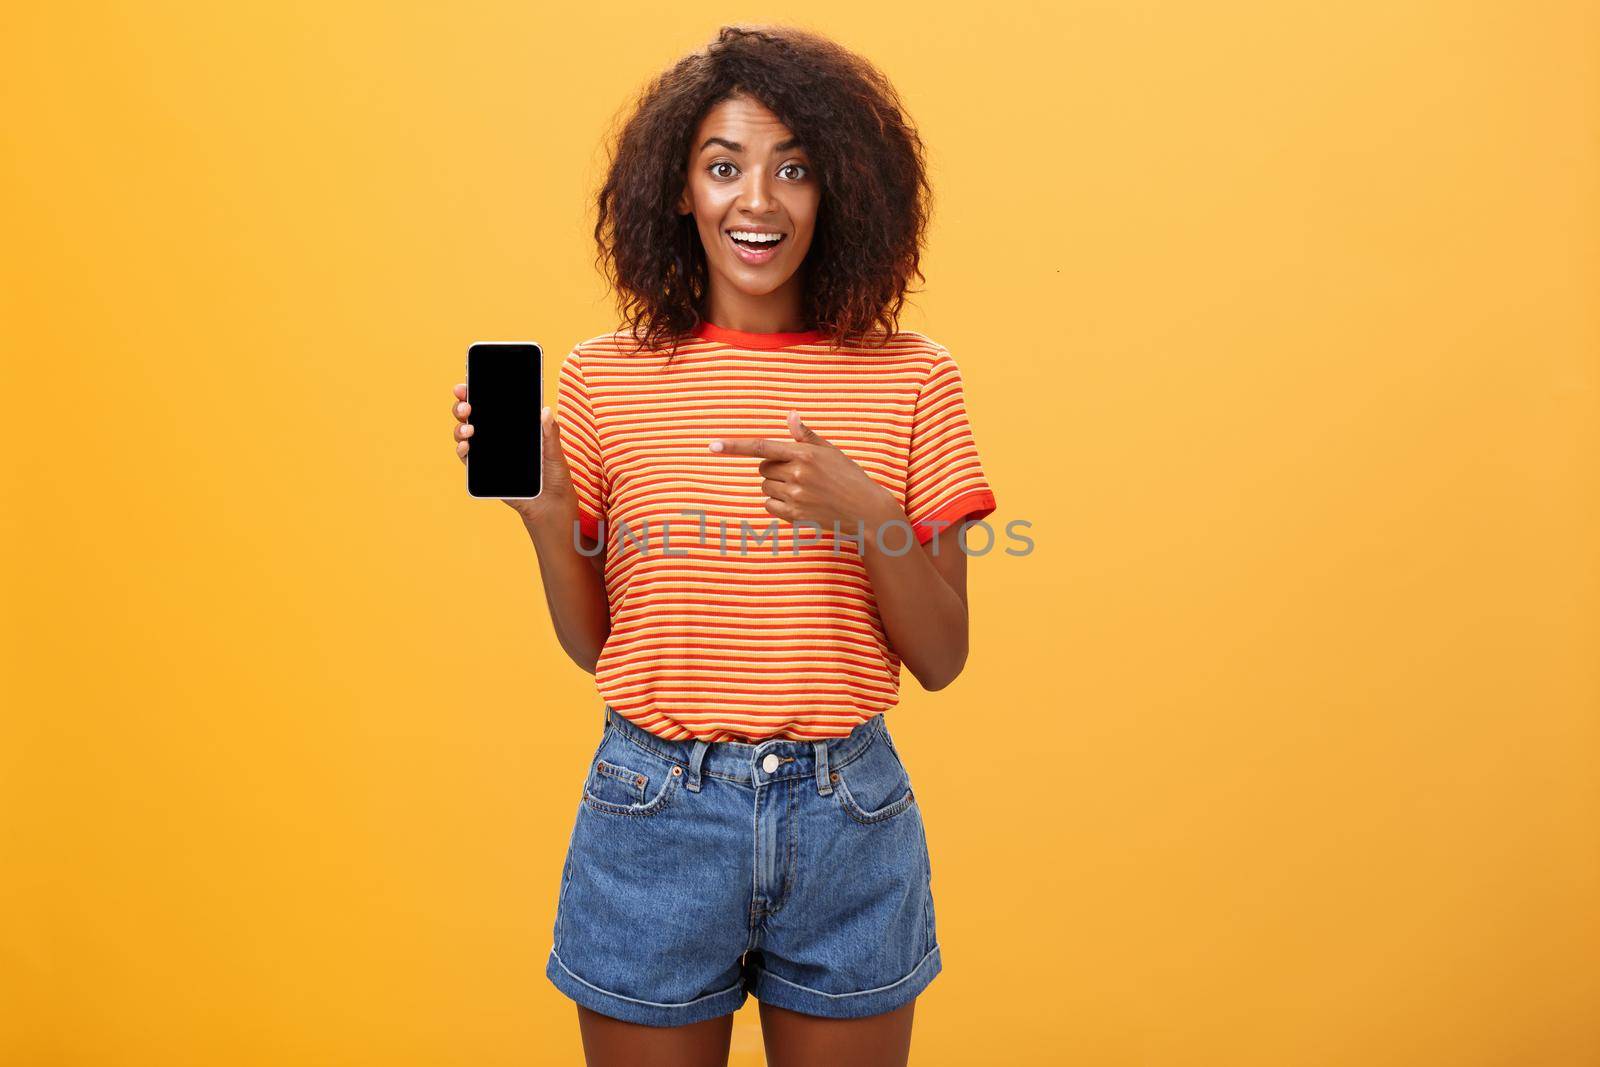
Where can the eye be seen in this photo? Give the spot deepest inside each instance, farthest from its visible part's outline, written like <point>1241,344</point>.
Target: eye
<point>801,167</point>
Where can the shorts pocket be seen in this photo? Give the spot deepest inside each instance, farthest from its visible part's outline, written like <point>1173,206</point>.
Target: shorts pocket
<point>874,786</point>
<point>616,784</point>
<point>626,780</point>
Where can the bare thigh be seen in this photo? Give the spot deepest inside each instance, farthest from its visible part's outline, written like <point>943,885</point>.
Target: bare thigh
<point>609,1042</point>
<point>797,1040</point>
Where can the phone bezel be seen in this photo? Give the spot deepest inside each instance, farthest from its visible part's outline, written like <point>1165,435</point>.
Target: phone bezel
<point>466,367</point>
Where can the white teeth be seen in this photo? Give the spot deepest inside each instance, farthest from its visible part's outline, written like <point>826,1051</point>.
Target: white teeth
<point>747,236</point>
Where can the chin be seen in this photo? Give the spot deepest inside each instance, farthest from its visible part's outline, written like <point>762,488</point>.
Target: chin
<point>760,285</point>
<point>759,290</point>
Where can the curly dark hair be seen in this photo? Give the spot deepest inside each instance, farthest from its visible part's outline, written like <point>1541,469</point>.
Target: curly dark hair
<point>876,198</point>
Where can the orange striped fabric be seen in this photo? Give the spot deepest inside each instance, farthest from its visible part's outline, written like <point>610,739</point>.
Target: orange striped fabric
<point>727,622</point>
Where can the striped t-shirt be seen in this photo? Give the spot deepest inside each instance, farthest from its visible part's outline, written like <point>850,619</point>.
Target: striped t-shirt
<point>722,631</point>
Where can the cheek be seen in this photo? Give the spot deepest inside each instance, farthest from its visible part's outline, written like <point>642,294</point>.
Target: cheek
<point>805,213</point>
<point>807,229</point>
<point>703,199</point>
<point>706,214</point>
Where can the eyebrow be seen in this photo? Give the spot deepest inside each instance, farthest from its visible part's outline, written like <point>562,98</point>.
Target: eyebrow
<point>734,146</point>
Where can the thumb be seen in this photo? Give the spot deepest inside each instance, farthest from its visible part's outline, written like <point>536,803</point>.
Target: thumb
<point>802,432</point>
<point>555,458</point>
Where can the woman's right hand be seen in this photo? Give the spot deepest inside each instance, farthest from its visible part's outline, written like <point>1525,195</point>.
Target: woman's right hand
<point>556,500</point>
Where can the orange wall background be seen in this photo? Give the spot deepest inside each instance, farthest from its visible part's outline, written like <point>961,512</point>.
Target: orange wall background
<point>1278,324</point>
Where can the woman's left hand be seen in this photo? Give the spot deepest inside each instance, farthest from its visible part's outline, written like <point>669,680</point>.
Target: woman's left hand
<point>811,479</point>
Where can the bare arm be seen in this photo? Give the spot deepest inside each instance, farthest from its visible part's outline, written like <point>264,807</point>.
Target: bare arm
<point>574,583</point>
<point>922,598</point>
<point>921,593</point>
<point>574,586</point>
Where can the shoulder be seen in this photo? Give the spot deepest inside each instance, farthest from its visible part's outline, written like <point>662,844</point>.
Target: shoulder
<point>602,343</point>
<point>593,351</point>
<point>931,356</point>
<point>903,347</point>
<point>912,337</point>
<point>618,342</point>
<point>913,342</point>
<point>589,346</point>
<point>901,340</point>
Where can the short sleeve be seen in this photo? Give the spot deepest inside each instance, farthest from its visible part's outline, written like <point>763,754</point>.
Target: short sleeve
<point>945,481</point>
<point>580,443</point>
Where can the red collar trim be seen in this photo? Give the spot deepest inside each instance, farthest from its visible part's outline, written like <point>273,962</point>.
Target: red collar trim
<point>742,339</point>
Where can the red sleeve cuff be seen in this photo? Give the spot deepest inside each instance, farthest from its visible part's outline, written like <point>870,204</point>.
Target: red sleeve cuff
<point>977,504</point>
<point>589,525</point>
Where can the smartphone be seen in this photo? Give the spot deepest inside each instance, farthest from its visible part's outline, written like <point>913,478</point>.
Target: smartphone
<point>505,388</point>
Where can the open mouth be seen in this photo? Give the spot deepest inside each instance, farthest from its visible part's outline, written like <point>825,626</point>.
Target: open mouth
<point>754,249</point>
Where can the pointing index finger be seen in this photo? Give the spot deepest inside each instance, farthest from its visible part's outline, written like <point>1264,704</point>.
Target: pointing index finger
<point>765,447</point>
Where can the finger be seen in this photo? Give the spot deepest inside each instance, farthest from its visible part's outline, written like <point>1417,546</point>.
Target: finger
<point>782,470</point>
<point>756,446</point>
<point>462,448</point>
<point>784,491</point>
<point>463,430</point>
<point>553,451</point>
<point>462,410</point>
<point>802,432</point>
<point>460,390</point>
<point>782,509</point>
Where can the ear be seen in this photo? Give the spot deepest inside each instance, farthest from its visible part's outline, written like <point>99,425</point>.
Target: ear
<point>685,205</point>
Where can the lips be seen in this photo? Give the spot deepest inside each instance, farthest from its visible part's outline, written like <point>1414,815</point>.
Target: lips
<point>753,256</point>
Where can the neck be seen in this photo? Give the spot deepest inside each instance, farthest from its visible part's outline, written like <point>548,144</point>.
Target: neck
<point>774,312</point>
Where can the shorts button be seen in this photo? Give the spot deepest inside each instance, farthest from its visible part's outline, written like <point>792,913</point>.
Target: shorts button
<point>770,764</point>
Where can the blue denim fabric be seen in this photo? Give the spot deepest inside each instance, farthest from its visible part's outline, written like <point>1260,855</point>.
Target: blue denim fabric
<point>697,875</point>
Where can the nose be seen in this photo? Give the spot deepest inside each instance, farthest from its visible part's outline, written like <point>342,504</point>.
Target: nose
<point>755,194</point>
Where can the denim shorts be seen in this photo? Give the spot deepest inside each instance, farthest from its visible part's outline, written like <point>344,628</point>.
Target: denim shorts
<point>699,873</point>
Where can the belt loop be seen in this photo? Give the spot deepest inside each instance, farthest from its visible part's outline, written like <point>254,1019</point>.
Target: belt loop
<point>695,759</point>
<point>824,785</point>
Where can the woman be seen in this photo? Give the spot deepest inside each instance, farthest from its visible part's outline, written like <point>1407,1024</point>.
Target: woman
<point>776,473</point>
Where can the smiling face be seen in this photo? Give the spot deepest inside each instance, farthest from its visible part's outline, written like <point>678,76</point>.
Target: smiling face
<point>749,175</point>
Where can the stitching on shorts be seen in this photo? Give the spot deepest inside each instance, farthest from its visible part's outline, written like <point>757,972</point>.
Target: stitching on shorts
<point>636,1000</point>
<point>870,738</point>
<point>853,808</point>
<point>860,993</point>
<point>663,800</point>
<point>755,858</point>
<point>627,777</point>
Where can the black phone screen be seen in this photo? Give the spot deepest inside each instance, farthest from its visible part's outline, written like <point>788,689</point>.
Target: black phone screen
<point>505,385</point>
